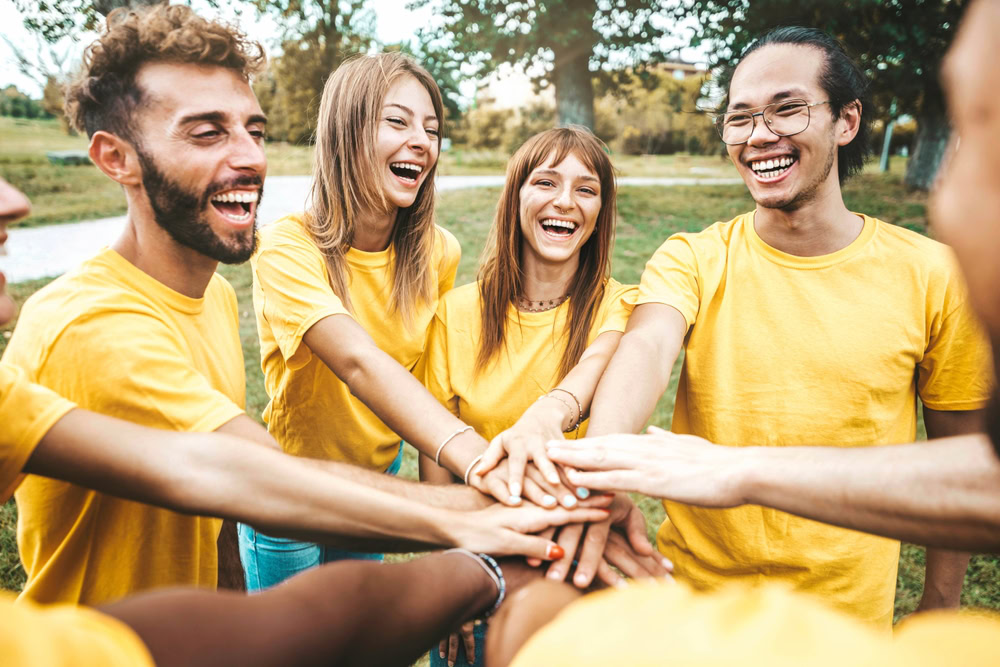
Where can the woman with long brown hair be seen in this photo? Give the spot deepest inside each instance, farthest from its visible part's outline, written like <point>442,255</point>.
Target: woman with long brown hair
<point>344,294</point>
<point>518,354</point>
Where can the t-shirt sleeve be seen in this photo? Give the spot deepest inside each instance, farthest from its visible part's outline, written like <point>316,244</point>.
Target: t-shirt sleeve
<point>433,369</point>
<point>616,307</point>
<point>154,384</point>
<point>451,254</point>
<point>671,277</point>
<point>292,289</point>
<point>27,412</point>
<point>955,372</point>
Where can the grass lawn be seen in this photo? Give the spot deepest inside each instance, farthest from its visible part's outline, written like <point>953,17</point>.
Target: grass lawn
<point>648,215</point>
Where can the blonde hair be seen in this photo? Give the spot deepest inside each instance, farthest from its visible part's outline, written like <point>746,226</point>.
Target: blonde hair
<point>500,273</point>
<point>347,179</point>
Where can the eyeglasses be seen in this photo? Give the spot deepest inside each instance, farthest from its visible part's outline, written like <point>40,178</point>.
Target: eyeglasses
<point>783,118</point>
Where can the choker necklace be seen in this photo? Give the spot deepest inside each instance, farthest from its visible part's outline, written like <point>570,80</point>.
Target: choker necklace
<point>526,306</point>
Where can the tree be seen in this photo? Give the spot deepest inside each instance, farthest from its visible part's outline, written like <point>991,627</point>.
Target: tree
<point>56,19</point>
<point>568,40</point>
<point>899,43</point>
<point>317,35</point>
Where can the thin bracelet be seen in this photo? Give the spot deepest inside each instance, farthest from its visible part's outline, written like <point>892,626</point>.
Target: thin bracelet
<point>471,466</point>
<point>456,433</point>
<point>579,406</point>
<point>573,423</point>
<point>493,570</point>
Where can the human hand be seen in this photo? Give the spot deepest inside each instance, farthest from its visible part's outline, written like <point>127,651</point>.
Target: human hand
<point>535,487</point>
<point>683,468</point>
<point>630,550</point>
<point>510,530</point>
<point>448,647</point>
<point>525,441</point>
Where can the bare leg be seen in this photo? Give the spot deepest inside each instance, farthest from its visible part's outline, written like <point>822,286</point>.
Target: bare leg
<point>349,613</point>
<point>523,615</point>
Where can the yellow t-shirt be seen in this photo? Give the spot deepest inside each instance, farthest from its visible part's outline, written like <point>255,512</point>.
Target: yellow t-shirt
<point>525,369</point>
<point>830,350</point>
<point>650,624</point>
<point>116,341</point>
<point>67,636</point>
<point>311,412</point>
<point>27,412</point>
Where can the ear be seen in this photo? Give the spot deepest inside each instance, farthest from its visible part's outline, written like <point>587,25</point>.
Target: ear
<point>849,123</point>
<point>115,157</point>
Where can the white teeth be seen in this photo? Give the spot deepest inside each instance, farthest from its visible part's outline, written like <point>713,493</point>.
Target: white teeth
<point>769,165</point>
<point>241,196</point>
<point>552,222</point>
<point>406,165</point>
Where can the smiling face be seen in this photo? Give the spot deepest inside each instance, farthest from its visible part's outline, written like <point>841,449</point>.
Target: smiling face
<point>13,206</point>
<point>407,140</point>
<point>786,172</point>
<point>558,209</point>
<point>201,148</point>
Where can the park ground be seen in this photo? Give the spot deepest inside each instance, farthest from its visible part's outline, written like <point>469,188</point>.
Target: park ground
<point>647,216</point>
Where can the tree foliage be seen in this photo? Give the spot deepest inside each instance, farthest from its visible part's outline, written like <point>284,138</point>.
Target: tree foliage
<point>15,103</point>
<point>899,43</point>
<point>56,19</point>
<point>568,40</point>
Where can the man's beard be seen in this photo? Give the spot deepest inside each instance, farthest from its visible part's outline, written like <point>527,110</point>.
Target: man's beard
<point>809,192</point>
<point>180,212</point>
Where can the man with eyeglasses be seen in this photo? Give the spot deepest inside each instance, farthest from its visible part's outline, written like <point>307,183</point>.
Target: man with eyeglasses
<point>803,323</point>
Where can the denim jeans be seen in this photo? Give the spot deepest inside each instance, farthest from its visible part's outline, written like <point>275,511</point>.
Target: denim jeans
<point>268,560</point>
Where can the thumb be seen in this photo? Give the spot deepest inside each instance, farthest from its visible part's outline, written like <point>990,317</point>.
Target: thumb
<point>530,546</point>
<point>635,529</point>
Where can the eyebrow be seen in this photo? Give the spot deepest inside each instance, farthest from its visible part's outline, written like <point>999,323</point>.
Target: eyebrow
<point>407,110</point>
<point>783,95</point>
<point>219,117</point>
<point>553,172</point>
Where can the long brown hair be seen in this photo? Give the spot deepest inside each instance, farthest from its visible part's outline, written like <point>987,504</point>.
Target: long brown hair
<point>500,272</point>
<point>346,180</point>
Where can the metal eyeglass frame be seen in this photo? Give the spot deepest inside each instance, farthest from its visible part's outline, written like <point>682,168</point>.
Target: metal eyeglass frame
<point>719,118</point>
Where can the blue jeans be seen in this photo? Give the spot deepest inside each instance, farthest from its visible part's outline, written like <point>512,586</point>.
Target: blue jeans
<point>268,561</point>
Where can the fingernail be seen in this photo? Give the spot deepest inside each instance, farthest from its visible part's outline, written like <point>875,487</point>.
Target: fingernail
<point>580,580</point>
<point>569,501</point>
<point>514,500</point>
<point>621,583</point>
<point>553,478</point>
<point>548,501</point>
<point>667,563</point>
<point>451,663</point>
<point>441,654</point>
<point>583,493</point>
<point>555,576</point>
<point>555,552</point>
<point>515,491</point>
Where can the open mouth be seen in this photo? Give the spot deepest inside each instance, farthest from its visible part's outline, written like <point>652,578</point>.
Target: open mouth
<point>236,205</point>
<point>559,228</point>
<point>773,168</point>
<point>408,172</point>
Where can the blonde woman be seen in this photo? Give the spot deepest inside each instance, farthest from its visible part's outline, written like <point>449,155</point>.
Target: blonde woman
<point>518,354</point>
<point>344,293</point>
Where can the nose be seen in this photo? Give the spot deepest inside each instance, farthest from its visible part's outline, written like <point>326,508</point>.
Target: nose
<point>13,204</point>
<point>761,134</point>
<point>420,140</point>
<point>248,153</point>
<point>564,198</point>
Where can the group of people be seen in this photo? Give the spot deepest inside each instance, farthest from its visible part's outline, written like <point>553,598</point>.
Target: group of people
<point>810,332</point>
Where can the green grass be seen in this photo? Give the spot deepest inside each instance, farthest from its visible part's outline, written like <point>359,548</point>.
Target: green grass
<point>647,216</point>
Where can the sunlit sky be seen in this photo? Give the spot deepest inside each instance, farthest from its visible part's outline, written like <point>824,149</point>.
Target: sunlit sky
<point>394,23</point>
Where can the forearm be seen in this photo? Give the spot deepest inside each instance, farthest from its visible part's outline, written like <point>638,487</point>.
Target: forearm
<point>336,614</point>
<point>583,378</point>
<point>941,493</point>
<point>945,576</point>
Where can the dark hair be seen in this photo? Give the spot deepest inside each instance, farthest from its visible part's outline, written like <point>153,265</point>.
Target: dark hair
<point>841,79</point>
<point>104,94</point>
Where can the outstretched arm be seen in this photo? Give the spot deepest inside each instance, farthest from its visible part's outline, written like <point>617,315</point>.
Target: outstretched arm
<point>639,371</point>
<point>219,475</point>
<point>348,613</point>
<point>942,493</point>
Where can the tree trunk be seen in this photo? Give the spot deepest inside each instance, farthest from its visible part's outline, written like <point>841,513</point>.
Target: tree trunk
<point>574,87</point>
<point>933,132</point>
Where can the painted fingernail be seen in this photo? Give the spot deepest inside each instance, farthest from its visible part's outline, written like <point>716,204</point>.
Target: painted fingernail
<point>548,501</point>
<point>667,563</point>
<point>553,478</point>
<point>515,490</point>
<point>514,500</point>
<point>554,576</point>
<point>555,552</point>
<point>583,493</point>
<point>580,580</point>
<point>569,501</point>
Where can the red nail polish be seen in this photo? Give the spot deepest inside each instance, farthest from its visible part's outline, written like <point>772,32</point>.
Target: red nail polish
<point>555,552</point>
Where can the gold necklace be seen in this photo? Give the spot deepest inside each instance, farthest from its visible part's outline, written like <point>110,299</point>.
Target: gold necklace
<point>540,306</point>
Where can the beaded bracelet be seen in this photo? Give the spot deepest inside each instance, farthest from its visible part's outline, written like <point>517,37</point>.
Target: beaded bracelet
<point>493,570</point>
<point>452,436</point>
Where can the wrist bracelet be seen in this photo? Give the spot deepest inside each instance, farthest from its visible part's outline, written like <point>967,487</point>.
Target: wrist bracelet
<point>452,436</point>
<point>579,406</point>
<point>471,466</point>
<point>493,570</point>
